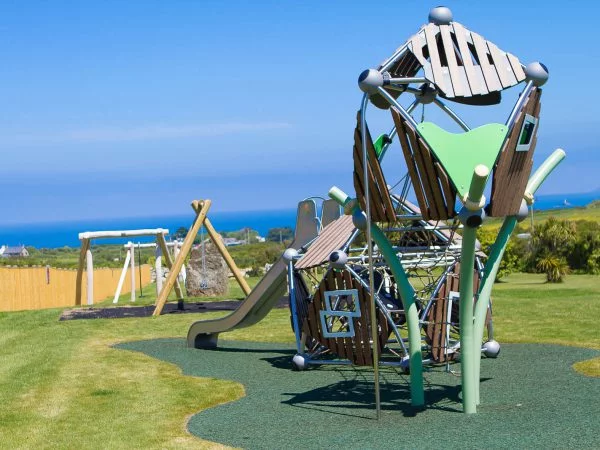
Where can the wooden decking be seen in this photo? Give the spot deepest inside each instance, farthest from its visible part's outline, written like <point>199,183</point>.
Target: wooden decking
<point>513,167</point>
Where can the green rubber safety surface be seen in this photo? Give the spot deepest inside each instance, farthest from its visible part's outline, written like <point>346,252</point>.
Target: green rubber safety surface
<point>531,398</point>
<point>460,153</point>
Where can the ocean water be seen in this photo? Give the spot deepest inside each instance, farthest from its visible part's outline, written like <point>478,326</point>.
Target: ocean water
<point>59,234</point>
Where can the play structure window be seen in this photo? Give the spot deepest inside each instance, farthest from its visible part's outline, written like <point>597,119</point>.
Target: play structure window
<point>527,132</point>
<point>341,306</point>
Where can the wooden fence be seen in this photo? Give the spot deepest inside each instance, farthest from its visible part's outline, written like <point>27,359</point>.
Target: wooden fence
<point>40,287</point>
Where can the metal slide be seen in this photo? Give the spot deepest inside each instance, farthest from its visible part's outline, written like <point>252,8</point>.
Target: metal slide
<point>205,333</point>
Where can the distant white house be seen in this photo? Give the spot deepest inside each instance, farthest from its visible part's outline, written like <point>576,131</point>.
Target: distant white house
<point>230,242</point>
<point>18,251</point>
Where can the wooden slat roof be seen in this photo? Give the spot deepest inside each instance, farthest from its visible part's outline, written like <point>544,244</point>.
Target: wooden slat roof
<point>460,63</point>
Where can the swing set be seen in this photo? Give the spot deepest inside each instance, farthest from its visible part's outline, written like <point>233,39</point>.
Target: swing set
<point>201,221</point>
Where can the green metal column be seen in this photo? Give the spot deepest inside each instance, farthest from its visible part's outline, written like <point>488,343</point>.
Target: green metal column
<point>468,346</point>
<point>496,253</point>
<point>407,295</point>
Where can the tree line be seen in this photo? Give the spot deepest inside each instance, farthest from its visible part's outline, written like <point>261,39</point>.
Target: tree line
<point>554,247</point>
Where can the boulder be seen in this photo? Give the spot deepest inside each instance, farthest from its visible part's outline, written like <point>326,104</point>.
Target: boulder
<point>208,280</point>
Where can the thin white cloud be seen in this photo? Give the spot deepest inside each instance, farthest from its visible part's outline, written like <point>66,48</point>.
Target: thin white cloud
<point>147,133</point>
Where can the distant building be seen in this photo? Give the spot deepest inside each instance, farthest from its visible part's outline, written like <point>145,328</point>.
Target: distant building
<point>230,242</point>
<point>13,252</point>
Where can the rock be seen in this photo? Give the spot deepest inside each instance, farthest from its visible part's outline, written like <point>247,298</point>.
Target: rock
<point>210,280</point>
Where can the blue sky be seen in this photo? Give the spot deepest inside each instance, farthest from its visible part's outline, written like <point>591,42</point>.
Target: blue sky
<point>135,108</point>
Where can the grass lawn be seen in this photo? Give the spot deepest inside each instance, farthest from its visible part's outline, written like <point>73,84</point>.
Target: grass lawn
<point>62,385</point>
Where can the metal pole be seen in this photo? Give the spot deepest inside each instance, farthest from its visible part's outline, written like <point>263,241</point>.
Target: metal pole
<point>374,334</point>
<point>452,114</point>
<point>392,101</point>
<point>293,305</point>
<point>523,96</point>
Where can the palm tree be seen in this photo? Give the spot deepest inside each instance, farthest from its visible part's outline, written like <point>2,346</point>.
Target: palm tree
<point>554,267</point>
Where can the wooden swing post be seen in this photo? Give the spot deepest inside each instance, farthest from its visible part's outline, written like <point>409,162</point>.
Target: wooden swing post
<point>204,206</point>
<point>224,253</point>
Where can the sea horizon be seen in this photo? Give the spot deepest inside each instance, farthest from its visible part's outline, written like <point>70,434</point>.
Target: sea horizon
<point>61,233</point>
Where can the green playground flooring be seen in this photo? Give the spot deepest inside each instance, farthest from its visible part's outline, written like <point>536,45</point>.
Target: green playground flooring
<point>531,398</point>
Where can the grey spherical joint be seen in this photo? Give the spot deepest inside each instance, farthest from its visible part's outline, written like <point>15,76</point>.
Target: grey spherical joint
<point>523,211</point>
<point>440,15</point>
<point>405,365</point>
<point>338,259</point>
<point>299,362</point>
<point>369,80</point>
<point>359,219</point>
<point>537,72</point>
<point>290,254</point>
<point>471,219</point>
<point>427,94</point>
<point>491,349</point>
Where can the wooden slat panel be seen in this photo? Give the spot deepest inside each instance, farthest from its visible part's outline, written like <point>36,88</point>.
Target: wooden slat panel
<point>364,325</point>
<point>449,191</point>
<point>410,163</point>
<point>502,166</point>
<point>435,340</point>
<point>444,326</point>
<point>376,206</point>
<point>502,65</point>
<point>513,168</point>
<point>336,345</point>
<point>476,82</point>
<point>438,197</point>
<point>460,89</point>
<point>383,191</point>
<point>491,77</point>
<point>516,67</point>
<point>378,212</point>
<point>358,347</point>
<point>320,298</point>
<point>427,185</point>
<point>345,343</point>
<point>313,320</point>
<point>431,31</point>
<point>416,46</point>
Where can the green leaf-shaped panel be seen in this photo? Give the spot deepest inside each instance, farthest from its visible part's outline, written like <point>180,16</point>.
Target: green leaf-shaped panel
<point>460,153</point>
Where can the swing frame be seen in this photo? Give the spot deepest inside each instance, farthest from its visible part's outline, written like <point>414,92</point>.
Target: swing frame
<point>201,208</point>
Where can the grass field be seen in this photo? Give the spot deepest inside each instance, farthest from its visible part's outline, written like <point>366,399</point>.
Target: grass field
<point>62,385</point>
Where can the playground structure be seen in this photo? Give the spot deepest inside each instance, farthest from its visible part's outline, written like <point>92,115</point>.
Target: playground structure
<point>200,208</point>
<point>129,263</point>
<point>86,259</point>
<point>391,281</point>
<point>259,301</point>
